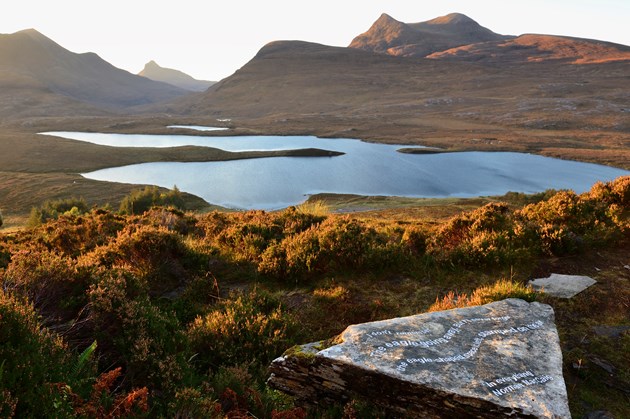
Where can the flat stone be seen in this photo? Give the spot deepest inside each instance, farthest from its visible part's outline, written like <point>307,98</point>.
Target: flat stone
<point>562,286</point>
<point>501,359</point>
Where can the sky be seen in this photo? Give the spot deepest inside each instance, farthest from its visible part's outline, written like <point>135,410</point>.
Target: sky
<point>211,39</point>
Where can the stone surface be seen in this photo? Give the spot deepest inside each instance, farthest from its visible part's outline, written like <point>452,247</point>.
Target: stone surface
<point>497,360</point>
<point>562,286</point>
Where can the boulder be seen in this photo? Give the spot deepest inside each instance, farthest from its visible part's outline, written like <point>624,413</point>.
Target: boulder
<point>562,286</point>
<point>501,359</point>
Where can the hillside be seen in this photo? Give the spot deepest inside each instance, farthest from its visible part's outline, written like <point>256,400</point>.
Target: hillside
<point>33,63</point>
<point>456,36</point>
<point>387,35</point>
<point>293,86</point>
<point>538,48</point>
<point>553,95</point>
<point>177,78</point>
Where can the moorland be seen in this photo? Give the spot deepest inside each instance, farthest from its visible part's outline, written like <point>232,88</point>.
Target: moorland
<point>109,310</point>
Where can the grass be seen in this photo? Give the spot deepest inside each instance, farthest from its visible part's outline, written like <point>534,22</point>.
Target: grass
<point>395,207</point>
<point>607,303</point>
<point>314,207</point>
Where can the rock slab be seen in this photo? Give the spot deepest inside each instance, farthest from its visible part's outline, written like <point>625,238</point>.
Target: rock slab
<point>501,359</point>
<point>562,286</point>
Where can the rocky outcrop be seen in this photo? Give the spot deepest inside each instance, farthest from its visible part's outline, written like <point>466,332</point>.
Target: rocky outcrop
<point>501,359</point>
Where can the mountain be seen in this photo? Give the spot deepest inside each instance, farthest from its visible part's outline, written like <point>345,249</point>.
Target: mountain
<point>295,87</point>
<point>389,36</point>
<point>32,65</point>
<point>493,81</point>
<point>458,37</point>
<point>296,77</point>
<point>537,48</point>
<point>175,77</point>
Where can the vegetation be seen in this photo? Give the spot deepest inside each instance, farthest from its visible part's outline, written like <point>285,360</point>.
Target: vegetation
<point>51,210</point>
<point>141,200</point>
<point>170,314</point>
<point>486,294</point>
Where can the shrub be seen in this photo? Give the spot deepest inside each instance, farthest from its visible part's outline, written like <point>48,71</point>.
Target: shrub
<point>247,236</point>
<point>135,334</point>
<point>171,219</point>
<point>1,219</point>
<point>568,223</point>
<point>141,200</point>
<point>253,328</point>
<point>241,396</point>
<point>487,236</point>
<point>613,192</point>
<point>337,244</point>
<point>615,197</point>
<point>53,209</point>
<point>298,219</point>
<point>521,199</point>
<point>155,255</point>
<point>78,234</point>
<point>56,285</point>
<point>32,359</point>
<point>190,403</point>
<point>414,240</point>
<point>5,255</point>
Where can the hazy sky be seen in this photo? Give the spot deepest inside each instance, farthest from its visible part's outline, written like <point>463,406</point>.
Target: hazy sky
<point>212,39</point>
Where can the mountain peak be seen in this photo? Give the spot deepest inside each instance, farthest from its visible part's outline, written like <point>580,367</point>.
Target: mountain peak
<point>34,35</point>
<point>389,36</point>
<point>386,21</point>
<point>30,31</point>
<point>383,33</point>
<point>151,65</point>
<point>385,18</point>
<point>451,19</point>
<point>154,71</point>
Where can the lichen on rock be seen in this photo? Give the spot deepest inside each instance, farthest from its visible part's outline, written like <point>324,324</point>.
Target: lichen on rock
<point>499,359</point>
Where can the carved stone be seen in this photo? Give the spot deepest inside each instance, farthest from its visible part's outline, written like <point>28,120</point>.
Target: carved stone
<point>501,359</point>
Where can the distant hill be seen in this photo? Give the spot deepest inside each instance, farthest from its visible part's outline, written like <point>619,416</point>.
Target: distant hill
<point>537,48</point>
<point>389,36</point>
<point>295,77</point>
<point>35,67</point>
<point>404,72</point>
<point>175,77</point>
<point>458,37</point>
<point>296,87</point>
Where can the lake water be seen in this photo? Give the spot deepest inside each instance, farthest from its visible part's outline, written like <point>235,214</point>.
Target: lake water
<point>198,127</point>
<point>365,169</point>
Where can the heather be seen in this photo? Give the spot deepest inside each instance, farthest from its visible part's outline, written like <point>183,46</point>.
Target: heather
<point>165,313</point>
